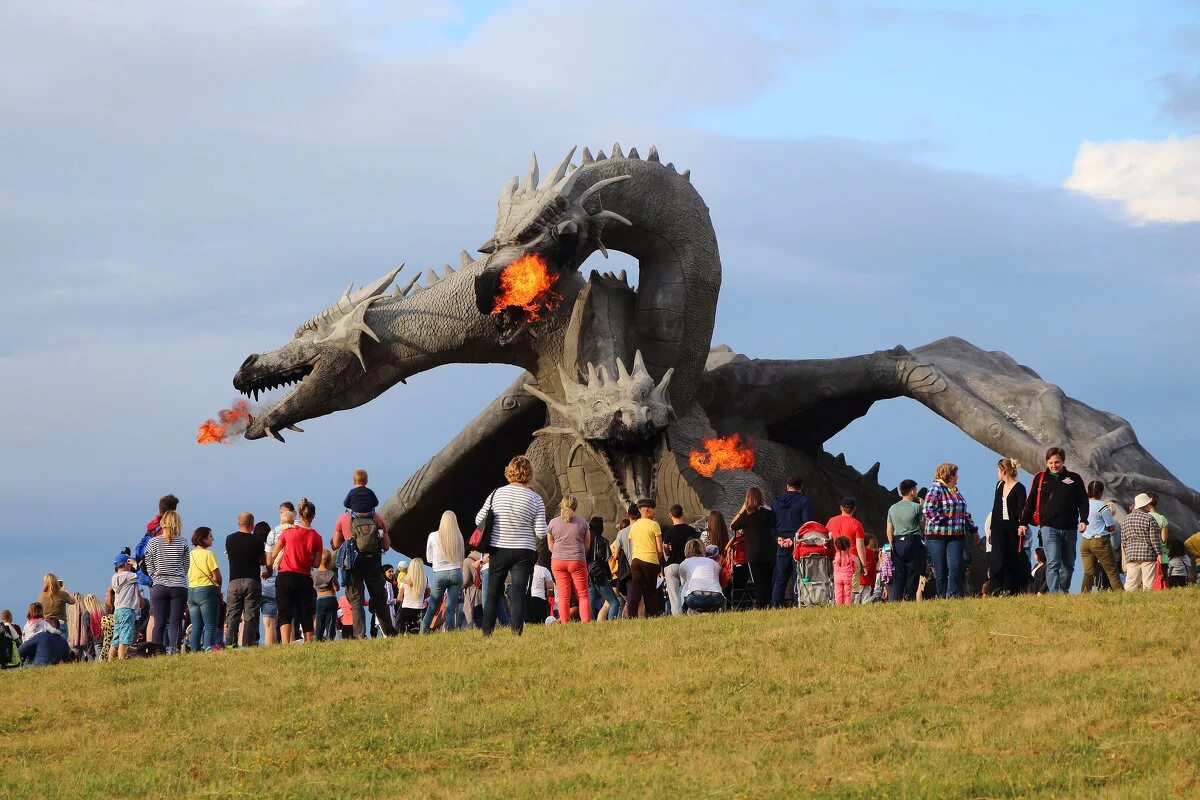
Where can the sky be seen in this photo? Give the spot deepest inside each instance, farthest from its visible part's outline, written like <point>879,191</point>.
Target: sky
<point>184,184</point>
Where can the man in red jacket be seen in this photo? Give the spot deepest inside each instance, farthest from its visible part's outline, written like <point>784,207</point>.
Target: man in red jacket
<point>1058,506</point>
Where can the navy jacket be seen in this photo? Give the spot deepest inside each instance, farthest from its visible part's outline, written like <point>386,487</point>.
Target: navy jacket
<point>45,648</point>
<point>791,511</point>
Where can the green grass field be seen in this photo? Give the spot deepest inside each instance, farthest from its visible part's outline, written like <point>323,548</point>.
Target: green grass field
<point>1026,697</point>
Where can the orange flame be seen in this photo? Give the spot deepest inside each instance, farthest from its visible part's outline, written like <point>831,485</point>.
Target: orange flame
<point>528,285</point>
<point>232,422</point>
<point>727,453</point>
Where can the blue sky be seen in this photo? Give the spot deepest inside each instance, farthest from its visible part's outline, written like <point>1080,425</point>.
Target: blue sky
<point>193,183</point>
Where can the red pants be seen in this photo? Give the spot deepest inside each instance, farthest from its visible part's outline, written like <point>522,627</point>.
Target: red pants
<point>842,588</point>
<point>568,574</point>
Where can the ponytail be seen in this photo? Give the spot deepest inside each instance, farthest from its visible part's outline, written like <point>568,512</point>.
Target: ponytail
<point>567,507</point>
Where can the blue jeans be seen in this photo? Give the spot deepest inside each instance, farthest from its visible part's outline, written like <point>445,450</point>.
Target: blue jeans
<point>501,607</point>
<point>446,582</point>
<point>785,573</point>
<point>700,602</point>
<point>1061,546</point>
<point>327,608</point>
<point>205,612</point>
<point>599,594</point>
<point>947,555</point>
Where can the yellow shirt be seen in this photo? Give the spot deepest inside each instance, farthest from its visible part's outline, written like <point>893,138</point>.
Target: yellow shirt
<point>202,567</point>
<point>644,535</point>
<point>1192,545</point>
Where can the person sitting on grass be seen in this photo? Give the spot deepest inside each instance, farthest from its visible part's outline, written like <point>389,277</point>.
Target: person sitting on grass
<point>701,580</point>
<point>1037,583</point>
<point>35,622</point>
<point>47,647</point>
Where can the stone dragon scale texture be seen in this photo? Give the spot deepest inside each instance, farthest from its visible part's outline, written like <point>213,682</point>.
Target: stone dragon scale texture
<point>622,384</point>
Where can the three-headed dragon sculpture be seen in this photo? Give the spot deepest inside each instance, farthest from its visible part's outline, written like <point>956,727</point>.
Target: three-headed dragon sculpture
<point>621,384</point>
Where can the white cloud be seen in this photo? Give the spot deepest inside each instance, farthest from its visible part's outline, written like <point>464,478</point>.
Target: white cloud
<point>1153,181</point>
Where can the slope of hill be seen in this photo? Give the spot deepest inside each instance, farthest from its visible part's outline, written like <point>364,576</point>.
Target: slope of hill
<point>1025,697</point>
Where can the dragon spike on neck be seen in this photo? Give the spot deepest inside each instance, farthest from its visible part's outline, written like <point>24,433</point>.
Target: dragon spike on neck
<point>531,177</point>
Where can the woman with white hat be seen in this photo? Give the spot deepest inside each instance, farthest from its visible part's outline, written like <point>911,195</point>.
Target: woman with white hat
<point>1140,535</point>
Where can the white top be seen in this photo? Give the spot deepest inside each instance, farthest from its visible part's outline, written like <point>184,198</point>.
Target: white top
<point>434,557</point>
<point>413,601</point>
<point>700,574</point>
<point>520,517</point>
<point>540,576</point>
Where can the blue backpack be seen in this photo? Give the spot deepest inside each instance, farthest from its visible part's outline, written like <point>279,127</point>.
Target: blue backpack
<point>345,559</point>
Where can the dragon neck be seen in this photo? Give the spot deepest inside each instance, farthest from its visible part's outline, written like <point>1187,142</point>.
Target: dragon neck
<point>673,240</point>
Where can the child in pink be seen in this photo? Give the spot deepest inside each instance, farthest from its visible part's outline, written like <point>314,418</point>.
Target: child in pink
<point>844,565</point>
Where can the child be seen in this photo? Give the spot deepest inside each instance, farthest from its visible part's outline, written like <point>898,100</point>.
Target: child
<point>124,597</point>
<point>36,622</point>
<point>844,565</point>
<point>869,572</point>
<point>884,579</point>
<point>360,501</point>
<point>1177,564</point>
<point>412,594</point>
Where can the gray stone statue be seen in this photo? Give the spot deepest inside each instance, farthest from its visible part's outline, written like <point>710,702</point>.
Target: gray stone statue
<point>622,387</point>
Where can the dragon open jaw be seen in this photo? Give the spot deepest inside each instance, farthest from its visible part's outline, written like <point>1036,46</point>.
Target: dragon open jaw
<point>633,466</point>
<point>269,382</point>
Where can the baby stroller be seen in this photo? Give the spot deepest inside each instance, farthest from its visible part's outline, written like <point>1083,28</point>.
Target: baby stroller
<point>813,555</point>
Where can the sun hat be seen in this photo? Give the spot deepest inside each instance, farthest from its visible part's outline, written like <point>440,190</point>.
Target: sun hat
<point>1142,500</point>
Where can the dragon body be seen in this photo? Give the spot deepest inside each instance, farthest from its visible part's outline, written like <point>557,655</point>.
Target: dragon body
<point>621,384</point>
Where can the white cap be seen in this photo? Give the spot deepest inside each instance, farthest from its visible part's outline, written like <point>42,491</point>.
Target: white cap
<point>1142,500</point>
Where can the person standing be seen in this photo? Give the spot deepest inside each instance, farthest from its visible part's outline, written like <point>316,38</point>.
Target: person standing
<point>645,536</point>
<point>1058,506</point>
<point>167,565</point>
<point>366,578</point>
<point>204,591</point>
<point>124,598</point>
<point>846,524</point>
<point>411,592</point>
<point>1140,536</point>
<point>55,599</point>
<point>541,588</point>
<point>1006,572</point>
<point>755,522</point>
<point>519,521</point>
<point>247,555</point>
<point>909,556</point>
<point>791,510</point>
<point>675,539</point>
<point>325,582</point>
<point>569,538</point>
<point>947,524</point>
<point>297,551</point>
<point>444,549</point>
<point>270,605</point>
<point>1096,547</point>
<point>603,599</point>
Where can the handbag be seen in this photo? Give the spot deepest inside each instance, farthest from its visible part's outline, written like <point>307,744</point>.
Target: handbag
<point>1037,505</point>
<point>481,539</point>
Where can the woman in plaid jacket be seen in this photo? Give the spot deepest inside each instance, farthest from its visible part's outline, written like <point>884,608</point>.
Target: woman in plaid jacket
<point>947,523</point>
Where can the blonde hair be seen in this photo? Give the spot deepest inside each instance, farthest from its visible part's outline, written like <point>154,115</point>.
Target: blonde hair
<point>945,472</point>
<point>415,578</point>
<point>171,525</point>
<point>326,559</point>
<point>1008,467</point>
<point>567,507</point>
<point>450,538</point>
<point>519,470</point>
<point>91,603</point>
<point>50,583</point>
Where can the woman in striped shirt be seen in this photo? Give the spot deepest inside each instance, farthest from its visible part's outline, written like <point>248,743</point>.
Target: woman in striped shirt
<point>519,522</point>
<point>947,523</point>
<point>167,565</point>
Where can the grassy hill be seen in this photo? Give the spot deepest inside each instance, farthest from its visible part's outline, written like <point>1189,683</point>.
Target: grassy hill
<point>1027,697</point>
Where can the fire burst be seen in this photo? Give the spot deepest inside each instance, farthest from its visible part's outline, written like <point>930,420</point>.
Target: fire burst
<point>528,285</point>
<point>230,423</point>
<point>726,453</point>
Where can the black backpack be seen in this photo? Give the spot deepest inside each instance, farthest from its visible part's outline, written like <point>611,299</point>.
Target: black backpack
<point>364,532</point>
<point>8,645</point>
<point>598,570</point>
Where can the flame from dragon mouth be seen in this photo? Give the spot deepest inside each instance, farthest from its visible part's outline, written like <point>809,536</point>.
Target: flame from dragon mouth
<point>527,284</point>
<point>233,421</point>
<point>722,453</point>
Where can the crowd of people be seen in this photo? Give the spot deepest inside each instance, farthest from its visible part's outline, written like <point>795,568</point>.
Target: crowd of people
<point>282,584</point>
